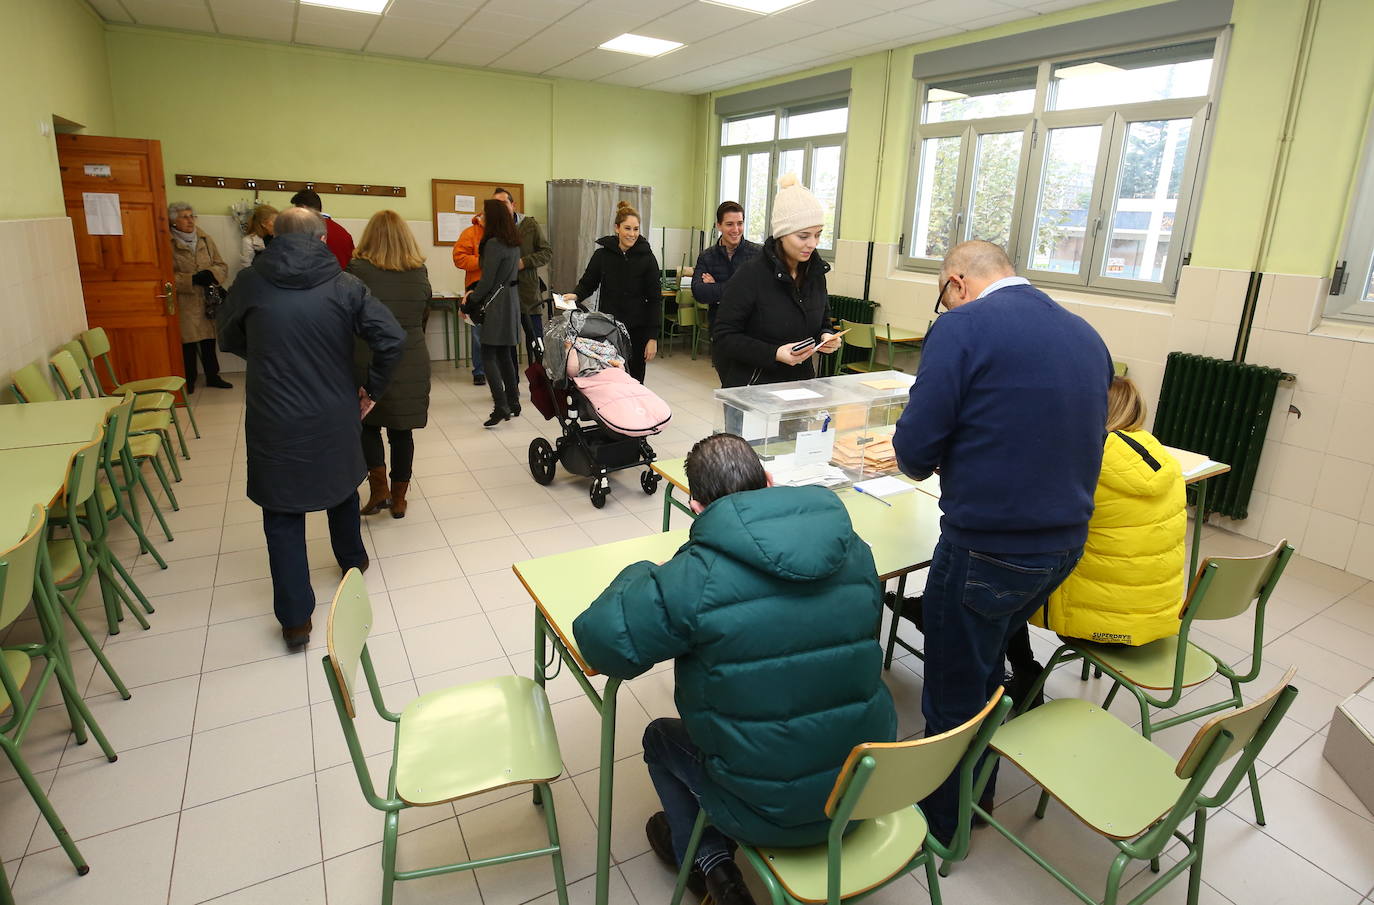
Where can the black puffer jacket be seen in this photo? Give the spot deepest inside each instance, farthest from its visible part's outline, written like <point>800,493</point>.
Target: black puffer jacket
<point>762,308</point>
<point>631,289</point>
<point>293,315</point>
<point>406,293</point>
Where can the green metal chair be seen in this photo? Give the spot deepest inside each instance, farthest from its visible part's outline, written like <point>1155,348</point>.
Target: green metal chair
<point>1119,368</point>
<point>449,744</point>
<point>22,578</point>
<point>1225,587</point>
<point>83,361</point>
<point>67,373</point>
<point>28,385</point>
<point>878,787</point>
<point>866,336</point>
<point>97,345</point>
<point>703,324</point>
<point>688,318</point>
<point>1128,790</point>
<point>143,402</point>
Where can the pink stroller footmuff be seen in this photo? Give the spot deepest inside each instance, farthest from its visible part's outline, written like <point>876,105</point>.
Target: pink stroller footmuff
<point>624,404</point>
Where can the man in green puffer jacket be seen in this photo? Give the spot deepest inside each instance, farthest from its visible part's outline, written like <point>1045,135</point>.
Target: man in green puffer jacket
<point>770,611</point>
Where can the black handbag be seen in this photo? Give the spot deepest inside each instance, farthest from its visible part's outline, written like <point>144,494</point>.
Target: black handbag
<point>214,297</point>
<point>477,310</point>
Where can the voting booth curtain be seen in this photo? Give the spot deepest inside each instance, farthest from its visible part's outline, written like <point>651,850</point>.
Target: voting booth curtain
<point>580,211</point>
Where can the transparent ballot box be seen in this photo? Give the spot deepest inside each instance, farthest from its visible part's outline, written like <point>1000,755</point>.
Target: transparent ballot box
<point>869,452</point>
<point>795,426</point>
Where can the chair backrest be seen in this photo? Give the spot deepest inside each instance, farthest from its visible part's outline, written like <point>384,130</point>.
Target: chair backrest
<point>31,385</point>
<point>350,621</point>
<point>860,335</point>
<point>81,474</point>
<point>83,362</point>
<point>1119,368</point>
<point>1241,726</point>
<point>1233,583</point>
<point>905,772</point>
<point>17,567</point>
<point>117,425</point>
<point>68,374</point>
<point>687,316</point>
<point>98,348</point>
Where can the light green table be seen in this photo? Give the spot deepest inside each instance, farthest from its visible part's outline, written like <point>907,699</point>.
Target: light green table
<point>53,423</point>
<point>902,538</point>
<point>28,476</point>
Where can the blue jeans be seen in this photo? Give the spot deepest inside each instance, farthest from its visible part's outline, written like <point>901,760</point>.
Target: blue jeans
<point>477,370</point>
<point>292,597</point>
<point>675,768</point>
<point>974,603</point>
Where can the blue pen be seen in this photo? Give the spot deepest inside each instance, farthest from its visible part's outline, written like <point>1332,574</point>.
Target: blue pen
<point>826,425</point>
<point>858,489</point>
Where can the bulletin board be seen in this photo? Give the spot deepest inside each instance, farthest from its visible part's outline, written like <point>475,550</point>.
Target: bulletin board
<point>460,199</point>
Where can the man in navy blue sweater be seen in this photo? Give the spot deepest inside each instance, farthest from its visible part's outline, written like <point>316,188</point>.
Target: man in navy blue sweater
<point>1009,404</point>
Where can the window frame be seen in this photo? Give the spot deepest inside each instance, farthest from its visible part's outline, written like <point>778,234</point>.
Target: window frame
<point>775,148</point>
<point>1357,244</point>
<point>1115,121</point>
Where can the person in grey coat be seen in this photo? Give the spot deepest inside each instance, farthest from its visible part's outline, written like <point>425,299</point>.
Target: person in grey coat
<point>497,297</point>
<point>293,315</point>
<point>390,264</point>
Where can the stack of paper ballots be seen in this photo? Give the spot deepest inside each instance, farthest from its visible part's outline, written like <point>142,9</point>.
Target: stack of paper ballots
<point>871,453</point>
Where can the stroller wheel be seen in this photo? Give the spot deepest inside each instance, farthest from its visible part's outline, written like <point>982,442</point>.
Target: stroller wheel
<point>649,481</point>
<point>601,487</point>
<point>543,460</point>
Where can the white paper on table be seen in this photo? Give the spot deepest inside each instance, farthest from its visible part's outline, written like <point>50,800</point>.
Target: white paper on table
<point>450,225</point>
<point>754,426</point>
<point>795,394</point>
<point>882,487</point>
<point>102,214</point>
<point>814,447</point>
<point>1200,468</point>
<point>465,204</point>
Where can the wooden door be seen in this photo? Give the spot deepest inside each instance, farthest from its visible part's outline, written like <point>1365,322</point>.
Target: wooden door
<point>126,279</point>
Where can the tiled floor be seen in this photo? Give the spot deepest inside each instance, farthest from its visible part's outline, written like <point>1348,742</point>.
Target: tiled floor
<point>233,784</point>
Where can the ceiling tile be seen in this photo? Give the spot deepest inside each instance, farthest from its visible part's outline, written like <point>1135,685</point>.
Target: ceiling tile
<point>1051,6</point>
<point>261,27</point>
<point>343,29</point>
<point>833,13</point>
<point>476,39</point>
<point>774,30</point>
<point>891,26</point>
<point>540,53</point>
<point>828,43</point>
<point>630,14</point>
<point>192,15</point>
<point>593,64</point>
<point>697,23</point>
<point>407,37</point>
<point>957,12</point>
<point>443,12</point>
<point>467,56</point>
<point>110,10</point>
<point>489,19</point>
<point>790,53</point>
<point>546,10</point>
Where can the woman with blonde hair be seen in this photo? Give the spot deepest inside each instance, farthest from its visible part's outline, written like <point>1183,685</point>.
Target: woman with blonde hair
<point>389,262</point>
<point>258,234</point>
<point>625,270</point>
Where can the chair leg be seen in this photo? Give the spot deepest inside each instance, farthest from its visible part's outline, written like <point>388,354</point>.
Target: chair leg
<point>132,586</point>
<point>190,413</point>
<point>1199,841</point>
<point>1040,805</point>
<point>181,435</point>
<point>147,493</point>
<point>1111,695</point>
<point>559,881</point>
<point>1114,878</point>
<point>165,441</point>
<point>162,479</point>
<point>1255,796</point>
<point>1086,669</point>
<point>685,869</point>
<point>933,880</point>
<point>40,798</point>
<point>70,610</point>
<point>389,856</point>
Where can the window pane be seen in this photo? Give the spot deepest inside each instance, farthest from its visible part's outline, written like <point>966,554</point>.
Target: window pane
<point>939,175</point>
<point>1368,295</point>
<point>1066,190</point>
<point>793,161</point>
<point>756,197</point>
<point>1003,94</point>
<point>996,164</point>
<point>1183,70</point>
<point>1152,162</point>
<point>747,131</point>
<point>729,178</point>
<point>815,122</point>
<point>825,185</point>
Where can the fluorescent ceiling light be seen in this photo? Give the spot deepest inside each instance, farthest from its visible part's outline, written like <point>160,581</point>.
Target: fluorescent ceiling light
<point>944,94</point>
<point>355,6</point>
<point>640,45</point>
<point>762,7</point>
<point>1086,69</point>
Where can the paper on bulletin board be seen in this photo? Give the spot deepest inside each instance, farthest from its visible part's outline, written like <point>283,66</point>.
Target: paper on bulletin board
<point>102,214</point>
<point>450,225</point>
<point>465,204</point>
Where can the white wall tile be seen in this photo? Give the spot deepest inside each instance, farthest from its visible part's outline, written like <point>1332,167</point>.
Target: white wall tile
<point>1352,435</point>
<point>1274,349</point>
<point>1324,364</point>
<point>1230,296</point>
<point>1197,289</point>
<point>1284,519</point>
<point>1361,560</point>
<point>1295,474</point>
<point>1296,303</point>
<point>1329,538</point>
<point>1342,486</point>
<point>40,291</point>
<point>1269,460</point>
<point>1359,376</point>
<point>1311,430</point>
<point>1187,335</point>
<point>1221,341</point>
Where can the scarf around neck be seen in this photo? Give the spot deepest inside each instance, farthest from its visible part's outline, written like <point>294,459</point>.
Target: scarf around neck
<point>186,239</point>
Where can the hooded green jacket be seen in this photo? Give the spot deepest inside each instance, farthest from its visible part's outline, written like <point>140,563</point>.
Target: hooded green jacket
<point>770,611</point>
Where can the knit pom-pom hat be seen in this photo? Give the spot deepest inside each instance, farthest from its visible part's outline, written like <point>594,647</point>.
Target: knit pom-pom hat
<point>795,208</point>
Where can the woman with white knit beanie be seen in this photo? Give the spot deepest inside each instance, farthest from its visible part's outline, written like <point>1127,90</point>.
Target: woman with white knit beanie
<point>775,313</point>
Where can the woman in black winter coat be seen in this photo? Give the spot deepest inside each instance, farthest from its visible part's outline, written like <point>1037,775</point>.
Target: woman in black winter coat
<point>777,300</point>
<point>625,270</point>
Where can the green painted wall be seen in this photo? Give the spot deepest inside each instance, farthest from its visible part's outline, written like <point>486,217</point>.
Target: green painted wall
<point>245,108</point>
<point>52,62</point>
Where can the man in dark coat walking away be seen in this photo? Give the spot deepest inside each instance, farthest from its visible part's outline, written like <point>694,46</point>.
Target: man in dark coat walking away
<point>294,315</point>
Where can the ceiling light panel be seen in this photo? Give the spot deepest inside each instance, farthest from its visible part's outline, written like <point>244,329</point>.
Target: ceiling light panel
<point>762,7</point>
<point>639,45</point>
<point>356,6</point>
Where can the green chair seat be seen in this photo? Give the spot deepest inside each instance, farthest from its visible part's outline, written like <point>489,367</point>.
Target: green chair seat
<point>873,853</point>
<point>64,558</point>
<point>150,421</point>
<point>18,663</point>
<point>153,402</point>
<point>1079,753</point>
<point>150,385</point>
<point>865,366</point>
<point>460,741</point>
<point>144,446</point>
<point>1152,665</point>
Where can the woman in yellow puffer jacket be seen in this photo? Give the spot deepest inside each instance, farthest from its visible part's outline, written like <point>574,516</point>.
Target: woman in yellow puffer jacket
<point>1128,587</point>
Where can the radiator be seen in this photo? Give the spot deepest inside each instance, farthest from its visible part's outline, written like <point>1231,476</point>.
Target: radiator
<point>860,311</point>
<point>1221,410</point>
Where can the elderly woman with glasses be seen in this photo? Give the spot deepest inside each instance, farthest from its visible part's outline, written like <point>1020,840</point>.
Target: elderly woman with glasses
<point>198,266</point>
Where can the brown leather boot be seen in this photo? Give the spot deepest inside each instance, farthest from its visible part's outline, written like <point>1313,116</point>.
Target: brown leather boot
<point>376,486</point>
<point>398,498</point>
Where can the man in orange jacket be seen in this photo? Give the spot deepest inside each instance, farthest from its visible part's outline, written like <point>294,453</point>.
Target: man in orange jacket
<point>466,258</point>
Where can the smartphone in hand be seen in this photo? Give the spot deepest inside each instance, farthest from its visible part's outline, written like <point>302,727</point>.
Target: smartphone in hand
<point>804,344</point>
<point>365,403</point>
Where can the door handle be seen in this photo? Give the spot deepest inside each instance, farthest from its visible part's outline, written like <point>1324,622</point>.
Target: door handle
<point>169,297</point>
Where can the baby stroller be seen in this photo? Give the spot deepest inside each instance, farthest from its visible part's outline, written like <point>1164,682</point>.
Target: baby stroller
<point>605,414</point>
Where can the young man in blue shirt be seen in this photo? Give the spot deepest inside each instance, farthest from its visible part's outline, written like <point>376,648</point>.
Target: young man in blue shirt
<point>1009,403</point>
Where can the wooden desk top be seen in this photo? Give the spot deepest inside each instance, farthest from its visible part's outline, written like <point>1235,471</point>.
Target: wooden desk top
<point>53,423</point>
<point>898,334</point>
